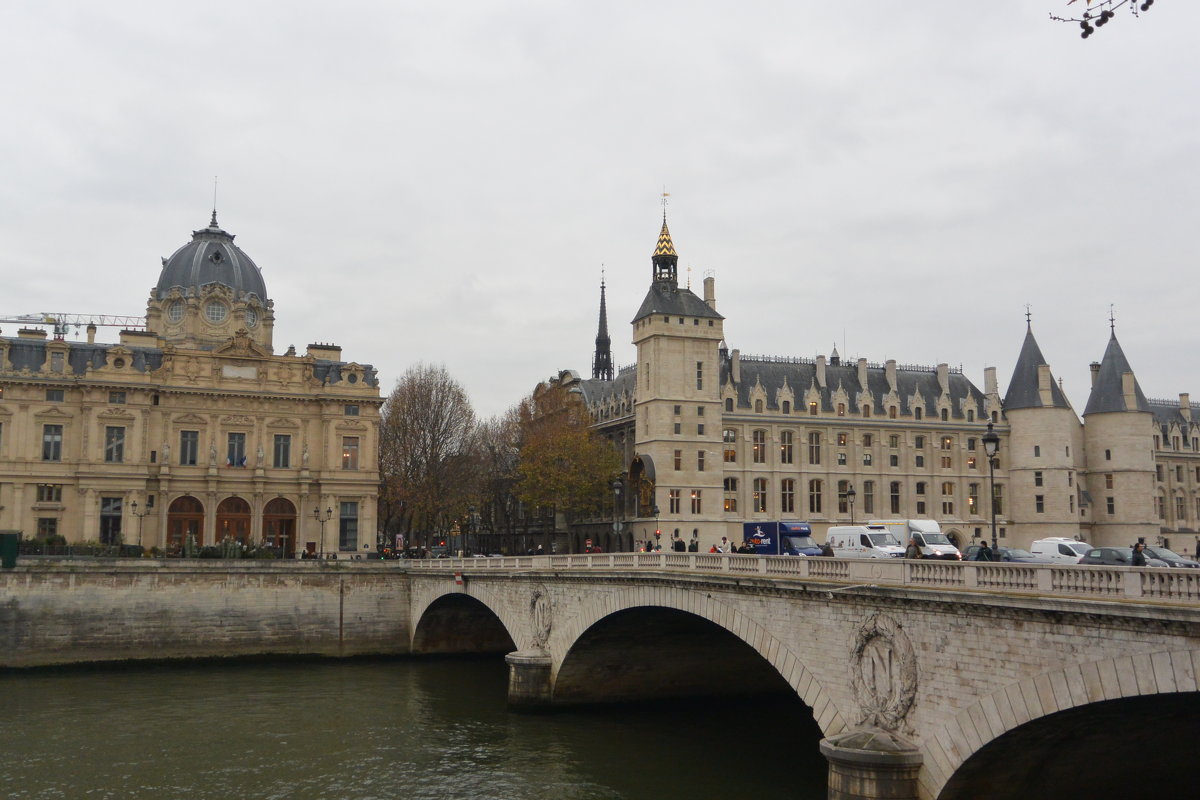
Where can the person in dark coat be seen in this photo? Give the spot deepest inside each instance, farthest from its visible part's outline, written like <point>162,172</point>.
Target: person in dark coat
<point>912,551</point>
<point>1139,555</point>
<point>985,552</point>
<point>693,546</point>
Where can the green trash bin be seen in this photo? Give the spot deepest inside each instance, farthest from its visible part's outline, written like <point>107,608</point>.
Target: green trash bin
<point>8,548</point>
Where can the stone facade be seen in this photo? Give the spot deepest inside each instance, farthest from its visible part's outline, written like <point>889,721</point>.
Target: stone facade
<point>714,438</point>
<point>193,430</point>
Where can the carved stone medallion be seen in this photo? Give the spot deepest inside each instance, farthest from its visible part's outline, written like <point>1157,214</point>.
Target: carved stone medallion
<point>883,672</point>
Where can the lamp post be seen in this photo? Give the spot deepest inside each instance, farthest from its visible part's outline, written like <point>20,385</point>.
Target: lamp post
<point>991,447</point>
<point>317,516</point>
<point>657,531</point>
<point>139,515</point>
<point>850,495</point>
<point>617,486</point>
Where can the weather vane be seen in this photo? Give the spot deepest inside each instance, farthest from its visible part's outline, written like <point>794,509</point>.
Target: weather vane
<point>665,195</point>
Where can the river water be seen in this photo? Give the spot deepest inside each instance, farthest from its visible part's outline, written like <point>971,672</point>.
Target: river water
<point>359,730</point>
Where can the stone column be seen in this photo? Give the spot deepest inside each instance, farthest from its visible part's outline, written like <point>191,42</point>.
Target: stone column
<point>529,685</point>
<point>871,764</point>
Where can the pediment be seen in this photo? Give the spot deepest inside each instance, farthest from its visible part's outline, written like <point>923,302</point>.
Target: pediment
<point>116,413</point>
<point>242,345</point>
<point>190,419</point>
<point>282,422</point>
<point>351,425</point>
<point>53,413</point>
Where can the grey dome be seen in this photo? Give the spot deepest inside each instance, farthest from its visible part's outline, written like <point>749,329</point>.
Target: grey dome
<point>211,257</point>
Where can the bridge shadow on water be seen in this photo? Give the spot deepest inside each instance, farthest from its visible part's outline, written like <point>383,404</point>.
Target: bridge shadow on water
<point>1132,749</point>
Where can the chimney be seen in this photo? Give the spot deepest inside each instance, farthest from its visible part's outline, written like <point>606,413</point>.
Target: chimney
<point>943,376</point>
<point>1128,384</point>
<point>990,386</point>
<point>91,333</point>
<point>1095,367</point>
<point>1045,385</point>
<point>889,370</point>
<point>862,374</point>
<point>820,372</point>
<point>710,292</point>
<point>735,366</point>
<point>31,333</point>
<point>1185,406</point>
<point>326,352</point>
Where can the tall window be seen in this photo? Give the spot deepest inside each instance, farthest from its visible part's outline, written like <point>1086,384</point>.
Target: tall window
<point>1037,478</point>
<point>673,501</point>
<point>814,448</point>
<point>189,448</point>
<point>110,520</point>
<point>348,526</point>
<point>731,488</point>
<point>998,498</point>
<point>700,461</point>
<point>1110,504</point>
<point>894,497</point>
<point>812,409</point>
<point>729,435</point>
<point>972,498</point>
<point>760,446</point>
<point>52,436</point>
<point>114,444</point>
<point>760,495</point>
<point>49,493</point>
<point>678,460</point>
<point>947,442</point>
<point>350,454</point>
<point>785,447</point>
<point>814,496</point>
<point>697,503</point>
<point>699,374</point>
<point>787,496</point>
<point>843,500</point>
<point>235,450</point>
<point>1039,503</point>
<point>868,497</point>
<point>282,451</point>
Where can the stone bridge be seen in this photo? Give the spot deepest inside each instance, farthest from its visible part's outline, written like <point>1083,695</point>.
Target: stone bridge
<point>926,679</point>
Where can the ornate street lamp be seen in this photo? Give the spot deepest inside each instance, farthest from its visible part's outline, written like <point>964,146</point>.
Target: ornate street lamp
<point>991,447</point>
<point>618,486</point>
<point>850,495</point>
<point>139,516</point>
<point>317,516</point>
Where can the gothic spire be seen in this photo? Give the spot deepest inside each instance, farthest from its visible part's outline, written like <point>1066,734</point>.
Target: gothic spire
<point>602,368</point>
<point>665,259</point>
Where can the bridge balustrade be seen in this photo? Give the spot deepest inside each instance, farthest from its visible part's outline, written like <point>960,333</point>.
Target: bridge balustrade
<point>1159,584</point>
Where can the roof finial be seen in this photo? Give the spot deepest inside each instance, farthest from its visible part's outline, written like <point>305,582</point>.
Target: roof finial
<point>213,224</point>
<point>1112,320</point>
<point>689,283</point>
<point>665,195</point>
<point>1028,316</point>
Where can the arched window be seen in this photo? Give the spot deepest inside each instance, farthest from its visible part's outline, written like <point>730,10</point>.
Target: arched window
<point>760,495</point>
<point>814,496</point>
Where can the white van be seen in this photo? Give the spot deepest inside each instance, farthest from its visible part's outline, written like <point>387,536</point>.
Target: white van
<point>1060,549</point>
<point>927,534</point>
<point>863,541</point>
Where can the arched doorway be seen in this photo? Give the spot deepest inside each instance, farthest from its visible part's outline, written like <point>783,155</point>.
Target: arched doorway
<point>233,520</point>
<point>279,525</point>
<point>185,520</point>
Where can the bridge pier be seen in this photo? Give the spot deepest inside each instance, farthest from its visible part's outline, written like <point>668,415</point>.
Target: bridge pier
<point>871,764</point>
<point>529,683</point>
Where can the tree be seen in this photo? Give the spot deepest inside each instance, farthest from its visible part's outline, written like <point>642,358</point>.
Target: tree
<point>564,465</point>
<point>1101,12</point>
<point>498,453</point>
<point>427,461</point>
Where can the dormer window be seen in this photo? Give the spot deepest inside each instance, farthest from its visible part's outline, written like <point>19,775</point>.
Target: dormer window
<point>216,257</point>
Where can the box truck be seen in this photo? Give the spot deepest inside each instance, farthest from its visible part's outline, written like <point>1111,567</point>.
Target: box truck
<point>927,533</point>
<point>780,538</point>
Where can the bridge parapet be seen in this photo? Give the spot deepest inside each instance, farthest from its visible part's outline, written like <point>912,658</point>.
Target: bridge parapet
<point>1079,581</point>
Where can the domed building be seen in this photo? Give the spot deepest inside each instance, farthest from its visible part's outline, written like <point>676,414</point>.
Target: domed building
<point>191,432</point>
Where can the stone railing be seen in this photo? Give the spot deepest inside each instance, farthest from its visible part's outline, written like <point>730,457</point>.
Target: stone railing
<point>1062,580</point>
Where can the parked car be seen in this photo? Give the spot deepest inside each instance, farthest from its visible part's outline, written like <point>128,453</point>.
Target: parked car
<point>1014,554</point>
<point>1172,558</point>
<point>1117,557</point>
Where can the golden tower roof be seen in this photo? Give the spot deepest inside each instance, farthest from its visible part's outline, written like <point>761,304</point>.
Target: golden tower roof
<point>665,246</point>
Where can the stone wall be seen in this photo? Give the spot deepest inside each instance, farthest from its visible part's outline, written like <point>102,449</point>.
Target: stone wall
<point>76,612</point>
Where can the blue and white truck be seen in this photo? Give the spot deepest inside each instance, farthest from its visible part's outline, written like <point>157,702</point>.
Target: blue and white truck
<point>781,538</point>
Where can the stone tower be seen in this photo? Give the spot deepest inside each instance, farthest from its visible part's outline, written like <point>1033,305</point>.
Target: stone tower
<point>678,413</point>
<point>1119,437</point>
<point>1044,451</point>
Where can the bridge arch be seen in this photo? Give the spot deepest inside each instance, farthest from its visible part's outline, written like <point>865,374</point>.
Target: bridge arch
<point>1071,687</point>
<point>705,606</point>
<point>476,603</point>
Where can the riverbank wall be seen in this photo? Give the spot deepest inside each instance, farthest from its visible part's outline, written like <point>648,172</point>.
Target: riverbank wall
<point>74,612</point>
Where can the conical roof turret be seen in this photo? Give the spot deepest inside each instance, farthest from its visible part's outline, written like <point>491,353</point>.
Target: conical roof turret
<point>1024,390</point>
<point>665,259</point>
<point>1108,389</point>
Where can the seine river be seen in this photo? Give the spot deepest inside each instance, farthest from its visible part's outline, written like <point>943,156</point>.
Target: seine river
<point>355,730</point>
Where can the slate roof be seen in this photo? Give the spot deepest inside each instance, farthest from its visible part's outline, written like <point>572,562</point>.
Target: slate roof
<point>1167,413</point>
<point>668,299</point>
<point>601,391</point>
<point>800,375</point>
<point>31,354</point>
<point>1107,394</point>
<point>1023,388</point>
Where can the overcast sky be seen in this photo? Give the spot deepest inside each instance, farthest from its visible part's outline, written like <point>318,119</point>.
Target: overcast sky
<point>442,182</point>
